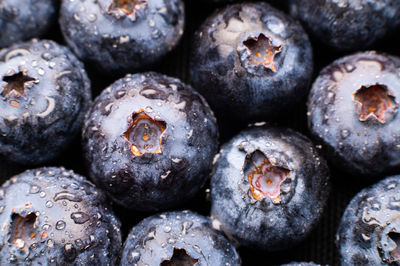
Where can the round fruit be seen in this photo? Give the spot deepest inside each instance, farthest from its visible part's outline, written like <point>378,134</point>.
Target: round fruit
<point>149,141</point>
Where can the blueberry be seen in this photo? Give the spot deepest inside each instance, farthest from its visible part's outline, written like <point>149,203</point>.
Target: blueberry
<point>21,20</point>
<point>352,110</point>
<point>369,232</point>
<point>149,141</point>
<point>44,93</point>
<point>268,188</point>
<point>120,35</point>
<point>177,238</point>
<point>346,24</point>
<point>251,61</point>
<point>51,216</point>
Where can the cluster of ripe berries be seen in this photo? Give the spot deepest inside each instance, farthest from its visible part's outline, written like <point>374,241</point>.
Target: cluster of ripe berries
<point>150,142</point>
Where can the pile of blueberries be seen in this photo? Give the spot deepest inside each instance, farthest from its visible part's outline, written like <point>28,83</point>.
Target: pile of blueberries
<point>199,132</point>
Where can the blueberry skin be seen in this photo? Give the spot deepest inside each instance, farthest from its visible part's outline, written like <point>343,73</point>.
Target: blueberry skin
<point>153,180</point>
<point>369,230</point>
<point>116,42</point>
<point>264,224</point>
<point>52,216</point>
<point>358,147</point>
<point>347,25</point>
<point>21,20</point>
<point>157,238</point>
<point>220,70</point>
<point>37,124</point>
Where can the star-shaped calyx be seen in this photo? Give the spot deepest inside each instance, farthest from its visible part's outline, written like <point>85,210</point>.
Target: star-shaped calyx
<point>375,102</point>
<point>16,84</point>
<point>395,237</point>
<point>15,87</point>
<point>180,257</point>
<point>261,52</point>
<point>128,8</point>
<point>145,134</point>
<point>264,177</point>
<point>23,231</point>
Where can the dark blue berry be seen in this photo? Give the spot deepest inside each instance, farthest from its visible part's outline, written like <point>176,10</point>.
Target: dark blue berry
<point>369,232</point>
<point>268,188</point>
<point>346,24</point>
<point>149,141</point>
<point>251,61</point>
<point>51,216</point>
<point>177,238</point>
<point>119,35</point>
<point>44,93</point>
<point>352,110</point>
<point>21,20</point>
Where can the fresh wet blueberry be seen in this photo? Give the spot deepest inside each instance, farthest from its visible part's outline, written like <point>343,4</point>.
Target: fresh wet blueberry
<point>51,216</point>
<point>347,24</point>
<point>177,238</point>
<point>21,20</point>
<point>353,110</point>
<point>44,93</point>
<point>268,188</point>
<point>149,141</point>
<point>251,61</point>
<point>122,35</point>
<point>369,232</point>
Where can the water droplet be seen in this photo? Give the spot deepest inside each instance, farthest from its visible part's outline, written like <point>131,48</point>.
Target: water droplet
<point>345,133</point>
<point>13,258</point>
<point>70,251</point>
<point>67,196</point>
<point>33,246</point>
<point>92,17</point>
<point>40,71</point>
<point>50,243</point>
<point>80,217</point>
<point>171,241</point>
<point>46,56</point>
<point>60,225</point>
<point>74,186</point>
<point>34,189</point>
<point>186,226</point>
<point>167,229</point>
<point>79,243</point>
<point>156,34</point>
<point>120,94</point>
<point>349,67</point>
<point>135,256</point>
<point>49,204</point>
<point>46,227</point>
